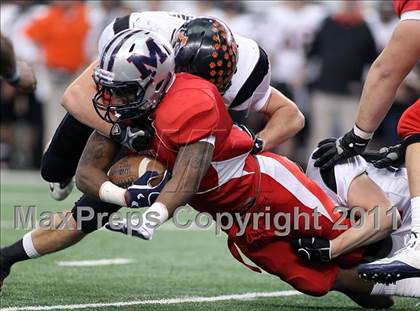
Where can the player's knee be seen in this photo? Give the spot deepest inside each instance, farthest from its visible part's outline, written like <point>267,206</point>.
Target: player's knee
<point>47,171</point>
<point>56,167</point>
<point>309,287</point>
<point>52,169</point>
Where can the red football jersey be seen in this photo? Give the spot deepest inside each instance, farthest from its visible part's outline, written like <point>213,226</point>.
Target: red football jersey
<point>194,110</point>
<point>403,6</point>
<point>237,182</point>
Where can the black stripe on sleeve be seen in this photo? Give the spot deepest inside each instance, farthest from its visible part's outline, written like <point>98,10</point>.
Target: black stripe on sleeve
<point>255,78</point>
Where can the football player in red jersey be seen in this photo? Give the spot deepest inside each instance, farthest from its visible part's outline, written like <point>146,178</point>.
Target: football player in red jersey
<point>383,80</point>
<point>211,168</point>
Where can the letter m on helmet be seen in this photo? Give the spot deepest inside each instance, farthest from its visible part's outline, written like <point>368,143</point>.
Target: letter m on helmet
<point>142,62</point>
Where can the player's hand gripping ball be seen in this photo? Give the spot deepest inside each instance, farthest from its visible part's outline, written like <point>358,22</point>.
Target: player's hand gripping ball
<point>144,178</point>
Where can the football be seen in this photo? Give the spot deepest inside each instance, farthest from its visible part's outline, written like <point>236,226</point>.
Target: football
<point>127,170</point>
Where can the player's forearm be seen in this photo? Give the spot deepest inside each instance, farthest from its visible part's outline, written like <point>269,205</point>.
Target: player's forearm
<point>178,191</point>
<point>283,125</point>
<point>93,165</point>
<point>176,194</point>
<point>371,231</point>
<point>7,58</point>
<point>377,97</point>
<point>285,120</point>
<point>191,165</point>
<point>85,113</point>
<point>375,220</point>
<point>77,100</point>
<point>387,73</point>
<point>90,180</point>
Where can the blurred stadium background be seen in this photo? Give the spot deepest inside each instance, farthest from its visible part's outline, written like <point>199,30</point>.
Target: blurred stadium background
<point>315,61</point>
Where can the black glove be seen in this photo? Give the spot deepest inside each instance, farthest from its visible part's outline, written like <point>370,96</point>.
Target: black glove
<point>133,138</point>
<point>332,150</point>
<point>392,157</point>
<point>258,142</point>
<point>313,249</point>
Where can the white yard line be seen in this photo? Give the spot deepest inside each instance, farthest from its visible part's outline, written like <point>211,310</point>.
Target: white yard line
<point>94,263</point>
<point>246,296</point>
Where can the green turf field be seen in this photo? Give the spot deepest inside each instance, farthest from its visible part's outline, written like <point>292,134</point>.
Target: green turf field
<point>177,264</point>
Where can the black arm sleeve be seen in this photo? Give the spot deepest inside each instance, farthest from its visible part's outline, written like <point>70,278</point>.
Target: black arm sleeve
<point>60,160</point>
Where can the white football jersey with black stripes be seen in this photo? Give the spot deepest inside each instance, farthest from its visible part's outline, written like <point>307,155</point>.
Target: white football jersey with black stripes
<point>393,183</point>
<point>250,87</point>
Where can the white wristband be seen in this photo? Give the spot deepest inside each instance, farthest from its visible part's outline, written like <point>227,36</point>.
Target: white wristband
<point>362,134</point>
<point>111,193</point>
<point>155,215</point>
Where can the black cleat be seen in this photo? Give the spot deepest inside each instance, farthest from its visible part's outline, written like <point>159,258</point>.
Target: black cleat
<point>387,273</point>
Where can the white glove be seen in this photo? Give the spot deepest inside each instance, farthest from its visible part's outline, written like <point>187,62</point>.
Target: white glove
<point>143,232</point>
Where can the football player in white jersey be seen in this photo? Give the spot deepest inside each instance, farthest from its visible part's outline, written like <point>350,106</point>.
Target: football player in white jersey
<point>343,184</point>
<point>249,89</point>
<point>380,197</point>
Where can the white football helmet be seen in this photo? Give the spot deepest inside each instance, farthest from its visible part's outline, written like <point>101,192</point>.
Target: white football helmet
<point>136,69</point>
